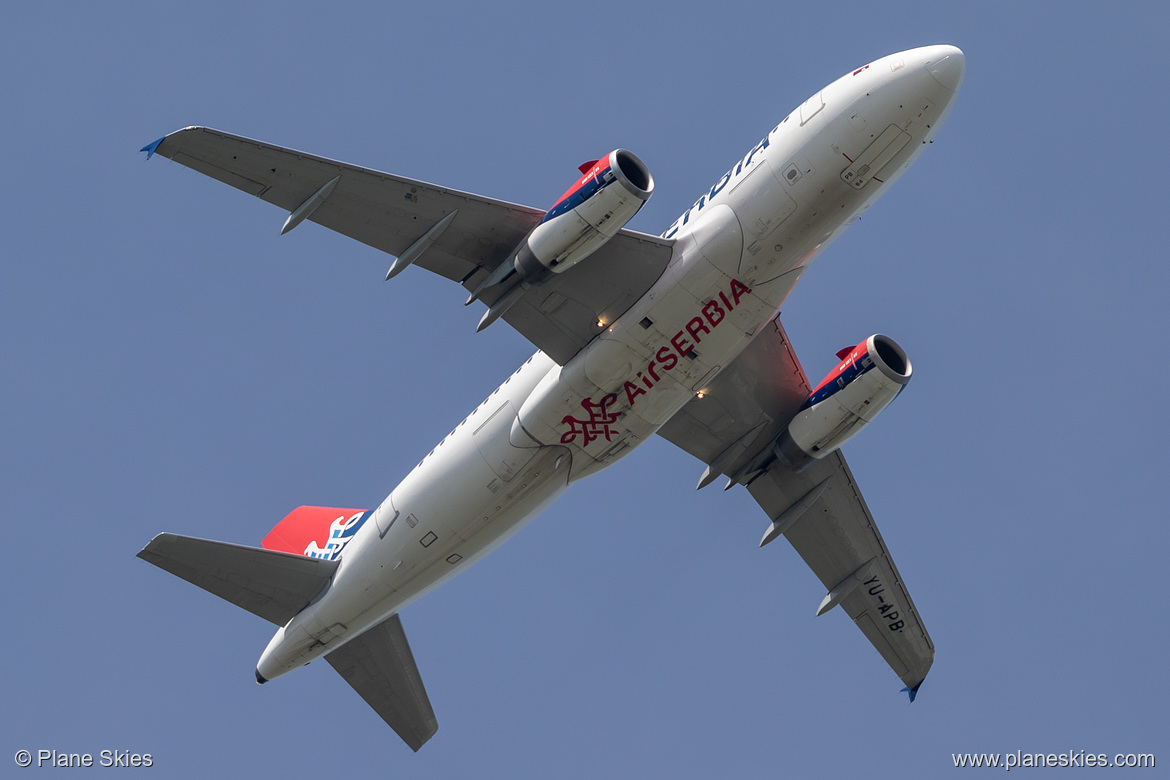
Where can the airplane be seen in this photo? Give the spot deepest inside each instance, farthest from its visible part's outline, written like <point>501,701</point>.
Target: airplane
<point>677,335</point>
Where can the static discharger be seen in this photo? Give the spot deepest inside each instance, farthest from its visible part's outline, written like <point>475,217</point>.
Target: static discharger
<point>306,209</point>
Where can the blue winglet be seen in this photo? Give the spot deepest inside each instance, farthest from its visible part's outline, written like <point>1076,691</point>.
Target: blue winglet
<point>913,691</point>
<point>149,148</point>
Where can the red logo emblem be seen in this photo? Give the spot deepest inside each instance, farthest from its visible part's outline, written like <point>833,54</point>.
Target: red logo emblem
<point>600,418</point>
<point>666,358</point>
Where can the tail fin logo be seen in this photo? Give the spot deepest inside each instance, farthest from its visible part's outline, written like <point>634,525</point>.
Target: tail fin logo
<point>341,531</point>
<point>316,531</point>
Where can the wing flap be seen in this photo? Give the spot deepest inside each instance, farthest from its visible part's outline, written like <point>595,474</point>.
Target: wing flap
<point>379,665</point>
<point>272,585</point>
<point>220,174</point>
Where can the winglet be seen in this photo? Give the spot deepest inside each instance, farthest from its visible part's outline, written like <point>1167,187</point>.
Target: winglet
<point>844,353</point>
<point>913,691</point>
<point>585,166</point>
<point>151,147</point>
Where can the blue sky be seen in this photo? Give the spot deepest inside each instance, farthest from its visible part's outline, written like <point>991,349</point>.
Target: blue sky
<point>169,362</point>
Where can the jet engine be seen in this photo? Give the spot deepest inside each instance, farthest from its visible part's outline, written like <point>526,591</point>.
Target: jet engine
<point>607,196</point>
<point>864,383</point>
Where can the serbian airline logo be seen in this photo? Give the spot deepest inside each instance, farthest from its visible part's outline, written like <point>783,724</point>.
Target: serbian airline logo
<point>316,531</point>
<point>341,531</point>
<point>597,423</point>
<point>599,420</point>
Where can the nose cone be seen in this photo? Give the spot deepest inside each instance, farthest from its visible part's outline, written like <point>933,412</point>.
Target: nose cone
<point>947,66</point>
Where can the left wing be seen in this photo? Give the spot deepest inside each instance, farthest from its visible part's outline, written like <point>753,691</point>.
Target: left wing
<point>819,510</point>
<point>396,215</point>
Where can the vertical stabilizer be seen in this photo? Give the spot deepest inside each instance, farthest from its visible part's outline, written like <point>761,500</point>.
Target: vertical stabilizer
<point>316,531</point>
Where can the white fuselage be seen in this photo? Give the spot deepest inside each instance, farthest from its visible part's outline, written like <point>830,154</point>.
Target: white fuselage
<point>739,252</point>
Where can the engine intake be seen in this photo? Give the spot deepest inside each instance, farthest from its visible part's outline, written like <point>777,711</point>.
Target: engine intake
<point>864,383</point>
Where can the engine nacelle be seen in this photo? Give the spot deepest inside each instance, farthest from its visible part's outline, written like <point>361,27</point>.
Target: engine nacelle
<point>607,196</point>
<point>856,391</point>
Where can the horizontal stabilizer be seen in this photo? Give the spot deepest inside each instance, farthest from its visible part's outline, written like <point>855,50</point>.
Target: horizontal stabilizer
<point>378,665</point>
<point>273,585</point>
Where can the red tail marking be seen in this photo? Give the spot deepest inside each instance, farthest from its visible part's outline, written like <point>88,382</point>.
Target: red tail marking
<point>303,525</point>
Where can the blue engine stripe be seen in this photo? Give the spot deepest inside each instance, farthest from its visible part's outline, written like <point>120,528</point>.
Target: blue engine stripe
<point>847,376</point>
<point>583,193</point>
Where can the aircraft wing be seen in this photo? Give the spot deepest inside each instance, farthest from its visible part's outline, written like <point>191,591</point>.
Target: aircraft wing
<point>392,213</point>
<point>747,407</point>
<point>378,665</point>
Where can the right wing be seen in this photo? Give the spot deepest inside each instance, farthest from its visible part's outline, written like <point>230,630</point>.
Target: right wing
<point>378,665</point>
<point>819,510</point>
<point>391,213</point>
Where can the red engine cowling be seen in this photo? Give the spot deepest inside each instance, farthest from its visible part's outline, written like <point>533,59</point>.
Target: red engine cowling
<point>849,398</point>
<point>607,196</point>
